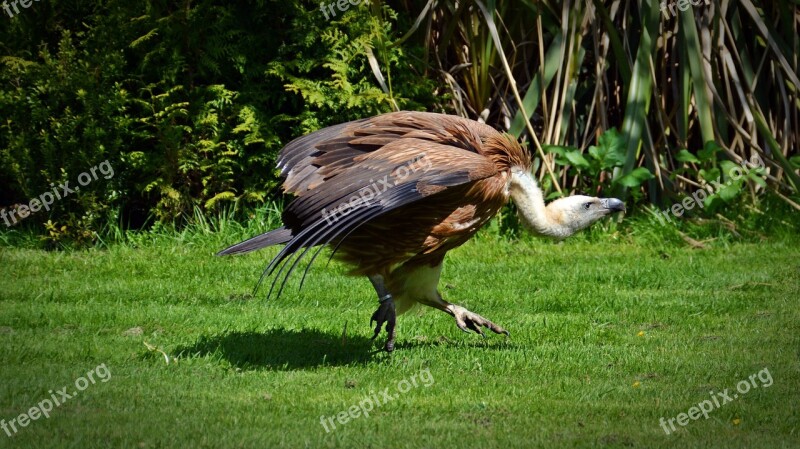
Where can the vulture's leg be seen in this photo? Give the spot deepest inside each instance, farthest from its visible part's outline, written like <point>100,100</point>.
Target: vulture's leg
<point>386,312</point>
<point>420,282</point>
<point>465,320</point>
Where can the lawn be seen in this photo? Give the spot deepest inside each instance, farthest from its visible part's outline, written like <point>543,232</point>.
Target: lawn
<point>608,336</point>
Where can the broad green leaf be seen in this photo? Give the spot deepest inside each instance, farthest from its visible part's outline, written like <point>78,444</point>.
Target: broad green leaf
<point>636,177</point>
<point>712,202</point>
<point>709,151</point>
<point>576,159</point>
<point>610,149</point>
<point>757,179</point>
<point>711,174</point>
<point>553,196</point>
<point>729,192</point>
<point>567,155</point>
<point>556,149</point>
<point>685,156</point>
<point>731,170</point>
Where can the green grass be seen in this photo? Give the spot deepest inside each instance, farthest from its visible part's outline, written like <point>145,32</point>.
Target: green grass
<point>607,336</point>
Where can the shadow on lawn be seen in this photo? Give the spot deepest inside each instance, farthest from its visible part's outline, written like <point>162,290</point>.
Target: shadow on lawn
<point>282,349</point>
<point>298,349</point>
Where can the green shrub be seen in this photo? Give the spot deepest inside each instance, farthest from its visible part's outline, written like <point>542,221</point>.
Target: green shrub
<point>189,102</point>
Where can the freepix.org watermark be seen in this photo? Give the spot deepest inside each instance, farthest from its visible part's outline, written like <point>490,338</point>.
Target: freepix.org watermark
<point>718,399</point>
<point>56,399</point>
<point>46,199</point>
<point>376,188</point>
<point>8,5</point>
<point>669,8</point>
<point>698,197</point>
<point>372,400</point>
<point>341,5</point>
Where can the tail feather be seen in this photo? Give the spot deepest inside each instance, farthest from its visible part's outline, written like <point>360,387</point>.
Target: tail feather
<point>274,237</point>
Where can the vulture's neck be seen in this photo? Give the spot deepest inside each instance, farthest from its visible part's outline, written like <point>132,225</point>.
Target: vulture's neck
<point>539,218</point>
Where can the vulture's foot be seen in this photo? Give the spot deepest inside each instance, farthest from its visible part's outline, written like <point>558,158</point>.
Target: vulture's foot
<point>466,321</point>
<point>385,314</point>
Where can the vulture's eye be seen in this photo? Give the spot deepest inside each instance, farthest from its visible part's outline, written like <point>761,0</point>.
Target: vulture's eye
<point>587,206</point>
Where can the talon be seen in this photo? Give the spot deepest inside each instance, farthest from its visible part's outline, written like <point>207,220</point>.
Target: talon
<point>385,314</point>
<point>472,321</point>
<point>474,327</point>
<point>376,319</point>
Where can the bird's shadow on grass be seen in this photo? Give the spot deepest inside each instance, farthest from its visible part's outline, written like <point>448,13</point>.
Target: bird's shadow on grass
<point>282,349</point>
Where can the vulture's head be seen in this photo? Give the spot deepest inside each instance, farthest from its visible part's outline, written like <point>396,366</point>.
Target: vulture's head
<point>560,218</point>
<point>579,212</point>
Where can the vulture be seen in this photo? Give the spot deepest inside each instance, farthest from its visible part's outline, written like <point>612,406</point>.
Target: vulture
<point>392,194</point>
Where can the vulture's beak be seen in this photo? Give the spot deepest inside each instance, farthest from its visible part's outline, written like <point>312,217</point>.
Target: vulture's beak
<point>613,205</point>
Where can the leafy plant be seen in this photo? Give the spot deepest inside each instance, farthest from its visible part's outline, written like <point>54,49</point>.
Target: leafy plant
<point>667,82</point>
<point>596,166</point>
<point>190,101</point>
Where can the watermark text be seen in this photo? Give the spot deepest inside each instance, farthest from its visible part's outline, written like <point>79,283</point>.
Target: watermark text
<point>372,400</point>
<point>46,199</point>
<point>718,399</point>
<point>56,399</point>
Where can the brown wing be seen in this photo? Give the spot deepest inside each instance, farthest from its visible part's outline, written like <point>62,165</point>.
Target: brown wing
<point>308,161</point>
<point>311,160</point>
<point>396,175</point>
<point>400,172</point>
